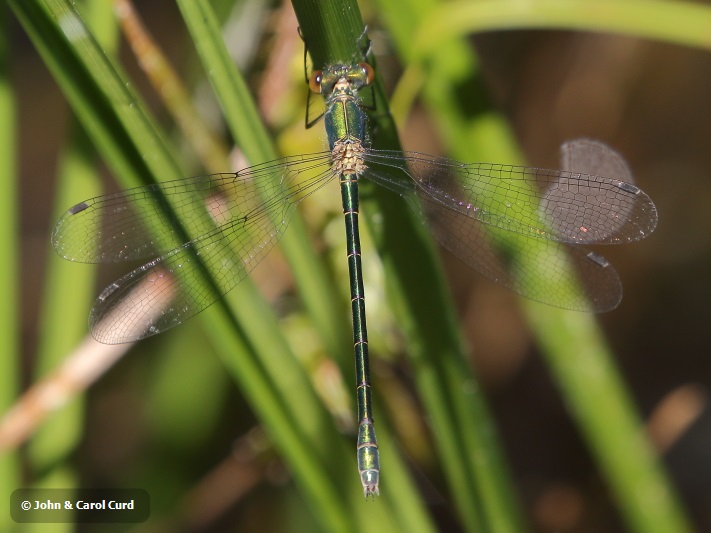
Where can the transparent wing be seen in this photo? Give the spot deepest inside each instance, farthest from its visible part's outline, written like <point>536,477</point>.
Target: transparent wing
<point>519,226</point>
<point>144,222</point>
<point>567,276</point>
<point>557,205</point>
<point>596,158</point>
<point>221,225</point>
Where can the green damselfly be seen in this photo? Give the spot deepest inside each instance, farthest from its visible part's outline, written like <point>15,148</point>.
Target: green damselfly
<point>522,227</point>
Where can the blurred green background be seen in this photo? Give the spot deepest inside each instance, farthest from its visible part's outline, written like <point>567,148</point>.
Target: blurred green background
<point>602,422</point>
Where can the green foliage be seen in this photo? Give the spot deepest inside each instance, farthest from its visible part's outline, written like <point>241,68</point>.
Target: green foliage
<point>270,362</point>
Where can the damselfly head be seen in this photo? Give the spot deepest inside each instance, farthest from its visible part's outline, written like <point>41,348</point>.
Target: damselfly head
<point>355,76</point>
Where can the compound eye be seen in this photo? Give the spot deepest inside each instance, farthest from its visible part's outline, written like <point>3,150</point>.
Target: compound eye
<point>315,81</point>
<point>368,71</point>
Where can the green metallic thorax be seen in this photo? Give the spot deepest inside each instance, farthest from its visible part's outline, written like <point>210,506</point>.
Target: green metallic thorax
<point>345,120</point>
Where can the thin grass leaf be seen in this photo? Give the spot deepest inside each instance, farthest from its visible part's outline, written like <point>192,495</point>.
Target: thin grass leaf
<point>209,147</point>
<point>585,370</point>
<point>68,293</point>
<point>9,324</point>
<point>684,23</point>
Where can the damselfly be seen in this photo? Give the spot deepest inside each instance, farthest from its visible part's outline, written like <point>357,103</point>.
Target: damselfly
<point>522,227</point>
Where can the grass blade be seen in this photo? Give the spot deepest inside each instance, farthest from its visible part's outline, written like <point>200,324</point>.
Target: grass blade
<point>9,327</point>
